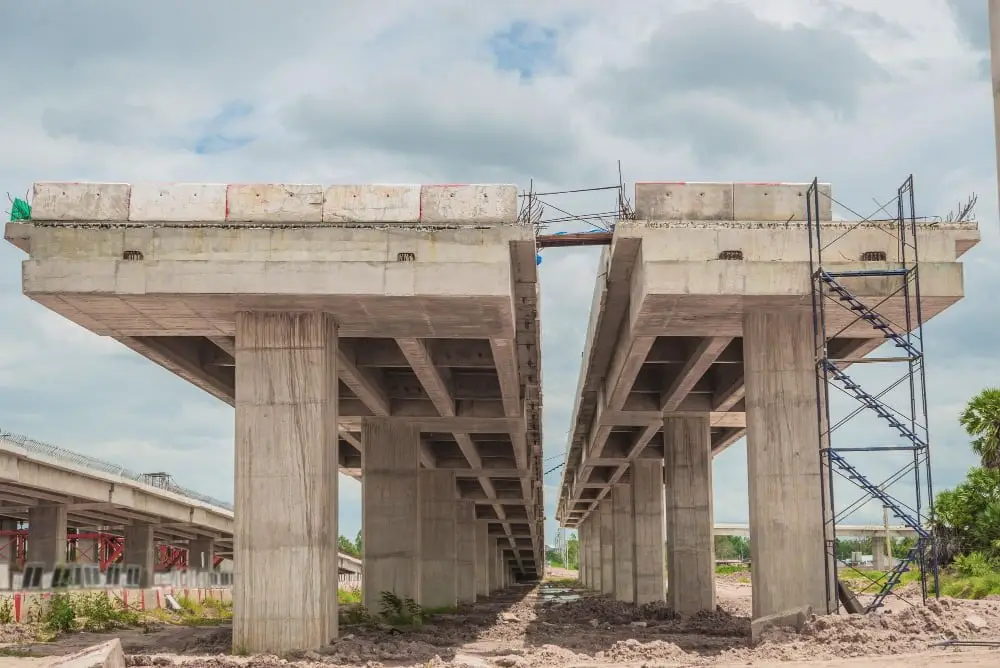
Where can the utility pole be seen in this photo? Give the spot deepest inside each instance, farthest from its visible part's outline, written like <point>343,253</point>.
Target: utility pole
<point>994,9</point>
<point>888,540</point>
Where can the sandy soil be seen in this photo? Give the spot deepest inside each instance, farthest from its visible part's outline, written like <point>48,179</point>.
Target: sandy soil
<point>554,625</point>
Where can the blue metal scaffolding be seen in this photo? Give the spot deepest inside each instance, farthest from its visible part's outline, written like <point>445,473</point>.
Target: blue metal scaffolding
<point>831,290</point>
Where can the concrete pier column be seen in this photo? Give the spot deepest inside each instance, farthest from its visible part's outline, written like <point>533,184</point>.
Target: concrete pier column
<point>783,463</point>
<point>285,538</point>
<point>880,556</point>
<point>581,554</point>
<point>482,560</point>
<point>466,548</point>
<point>140,550</point>
<point>496,582</point>
<point>390,509</point>
<point>647,502</point>
<point>201,553</point>
<point>47,535</point>
<point>607,533</point>
<point>438,556</point>
<point>8,546</point>
<point>624,522</point>
<point>594,560</point>
<point>87,550</point>
<point>687,453</point>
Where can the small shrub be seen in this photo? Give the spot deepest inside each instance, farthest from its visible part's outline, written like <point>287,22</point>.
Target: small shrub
<point>100,613</point>
<point>7,611</point>
<point>400,612</point>
<point>59,616</point>
<point>973,565</point>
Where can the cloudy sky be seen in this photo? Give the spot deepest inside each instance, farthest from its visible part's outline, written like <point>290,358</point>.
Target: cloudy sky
<point>859,93</point>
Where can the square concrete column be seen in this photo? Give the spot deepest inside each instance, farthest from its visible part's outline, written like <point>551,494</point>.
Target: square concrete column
<point>880,554</point>
<point>466,536</point>
<point>607,534</point>
<point>687,476</point>
<point>596,569</point>
<point>87,551</point>
<point>647,501</point>
<point>285,534</point>
<point>624,522</point>
<point>8,544</point>
<point>47,535</point>
<point>496,582</point>
<point>581,554</point>
<point>390,510</point>
<point>438,556</point>
<point>482,560</point>
<point>783,462</point>
<point>201,553</point>
<point>140,550</point>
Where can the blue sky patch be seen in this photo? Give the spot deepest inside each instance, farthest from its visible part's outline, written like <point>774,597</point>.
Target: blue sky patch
<point>217,135</point>
<point>524,47</point>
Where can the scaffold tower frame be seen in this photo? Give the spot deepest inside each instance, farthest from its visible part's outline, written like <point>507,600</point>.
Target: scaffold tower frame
<point>831,289</point>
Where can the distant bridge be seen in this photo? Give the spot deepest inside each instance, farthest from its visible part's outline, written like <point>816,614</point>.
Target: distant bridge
<point>851,530</point>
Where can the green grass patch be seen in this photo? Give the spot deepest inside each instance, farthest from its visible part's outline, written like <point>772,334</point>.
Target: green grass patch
<point>561,582</point>
<point>729,569</point>
<point>348,596</point>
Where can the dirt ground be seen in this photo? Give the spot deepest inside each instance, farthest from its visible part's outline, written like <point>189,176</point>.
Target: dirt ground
<point>554,625</point>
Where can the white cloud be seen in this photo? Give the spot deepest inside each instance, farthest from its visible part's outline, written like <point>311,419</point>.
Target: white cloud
<point>410,91</point>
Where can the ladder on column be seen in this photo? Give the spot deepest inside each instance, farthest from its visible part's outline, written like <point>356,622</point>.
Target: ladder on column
<point>905,334</point>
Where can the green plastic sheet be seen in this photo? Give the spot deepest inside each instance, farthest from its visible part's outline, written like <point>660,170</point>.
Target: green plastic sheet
<point>20,210</point>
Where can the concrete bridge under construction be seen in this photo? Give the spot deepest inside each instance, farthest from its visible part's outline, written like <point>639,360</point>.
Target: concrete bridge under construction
<point>392,333</point>
<point>59,507</point>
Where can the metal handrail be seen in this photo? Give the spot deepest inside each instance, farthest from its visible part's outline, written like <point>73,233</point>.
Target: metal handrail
<point>55,452</point>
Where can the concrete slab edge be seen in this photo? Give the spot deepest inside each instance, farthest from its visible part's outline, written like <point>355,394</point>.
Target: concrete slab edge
<point>794,618</point>
<point>106,655</point>
<point>269,203</point>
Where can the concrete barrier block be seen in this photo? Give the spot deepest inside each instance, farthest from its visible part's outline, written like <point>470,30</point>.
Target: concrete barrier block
<point>778,201</point>
<point>372,204</point>
<point>275,203</point>
<point>178,202</point>
<point>80,201</point>
<point>469,204</point>
<point>794,618</point>
<point>106,655</point>
<point>684,201</point>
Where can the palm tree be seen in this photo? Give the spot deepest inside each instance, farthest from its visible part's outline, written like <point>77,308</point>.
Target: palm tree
<point>981,419</point>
